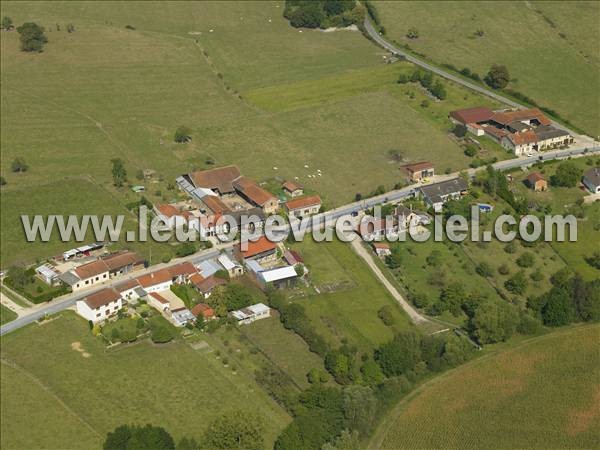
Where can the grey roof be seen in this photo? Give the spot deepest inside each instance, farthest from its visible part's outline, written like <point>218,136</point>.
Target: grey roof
<point>519,126</point>
<point>140,291</point>
<point>69,278</point>
<point>181,316</point>
<point>544,132</point>
<point>208,267</point>
<point>436,192</point>
<point>227,263</point>
<point>254,266</point>
<point>403,210</point>
<point>592,176</point>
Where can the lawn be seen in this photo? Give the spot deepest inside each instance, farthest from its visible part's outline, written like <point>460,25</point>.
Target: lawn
<point>255,92</point>
<point>549,48</point>
<point>169,385</point>
<point>539,394</point>
<point>351,313</point>
<point>6,315</point>
<point>283,347</point>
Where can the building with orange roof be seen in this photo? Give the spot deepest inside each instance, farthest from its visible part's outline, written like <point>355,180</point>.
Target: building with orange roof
<point>261,250</point>
<point>292,188</point>
<point>100,305</point>
<point>256,195</point>
<point>417,171</point>
<point>160,280</point>
<point>537,182</point>
<point>205,310</point>
<point>303,206</point>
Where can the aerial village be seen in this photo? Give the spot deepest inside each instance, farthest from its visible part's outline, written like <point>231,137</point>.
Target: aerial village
<point>211,194</point>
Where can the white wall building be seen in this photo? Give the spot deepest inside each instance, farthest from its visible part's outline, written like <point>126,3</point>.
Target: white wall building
<point>98,306</point>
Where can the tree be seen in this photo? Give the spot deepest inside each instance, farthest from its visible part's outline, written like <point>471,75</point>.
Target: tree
<point>371,373</point>
<point>593,260</point>
<point>188,444</point>
<point>457,350</point>
<point>517,284</point>
<point>338,364</point>
<point>139,438</point>
<point>432,349</point>
<point>360,408</point>
<point>497,77</point>
<point>18,277</point>
<point>161,331</point>
<point>412,33</point>
<point>484,269</point>
<point>494,321</point>
<point>403,78</point>
<point>32,37</point>
<point>7,23</point>
<point>558,309</point>
<point>119,173</point>
<point>345,441</point>
<point>567,175</point>
<point>526,260</point>
<point>452,297</point>
<point>386,316</point>
<point>235,430</point>
<point>426,80</point>
<point>183,134</point>
<point>460,130</point>
<point>19,165</point>
<point>439,90</point>
<point>401,354</point>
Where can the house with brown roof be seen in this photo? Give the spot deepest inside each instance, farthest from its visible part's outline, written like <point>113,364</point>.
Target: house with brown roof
<point>477,115</point>
<point>537,182</point>
<point>86,275</point>
<point>160,280</point>
<point>219,179</point>
<point>520,143</point>
<point>173,216</point>
<point>260,250</point>
<point>256,195</point>
<point>382,249</point>
<point>292,188</point>
<point>205,310</point>
<point>182,272</point>
<point>206,285</point>
<point>100,305</point>
<point>121,263</point>
<point>417,171</point>
<point>303,206</point>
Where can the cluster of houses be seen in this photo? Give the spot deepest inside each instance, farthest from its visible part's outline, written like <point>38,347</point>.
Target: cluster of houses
<point>522,131</point>
<point>222,191</point>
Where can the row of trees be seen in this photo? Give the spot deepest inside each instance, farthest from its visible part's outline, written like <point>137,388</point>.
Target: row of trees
<point>323,13</point>
<point>426,79</point>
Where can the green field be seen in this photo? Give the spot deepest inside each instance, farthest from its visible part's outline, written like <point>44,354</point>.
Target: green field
<point>255,92</point>
<point>6,315</point>
<point>550,48</point>
<point>67,376</point>
<point>541,394</point>
<point>351,312</point>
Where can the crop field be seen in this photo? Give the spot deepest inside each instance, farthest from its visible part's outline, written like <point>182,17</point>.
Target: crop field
<point>543,393</point>
<point>255,92</point>
<point>351,312</point>
<point>66,378</point>
<point>549,48</point>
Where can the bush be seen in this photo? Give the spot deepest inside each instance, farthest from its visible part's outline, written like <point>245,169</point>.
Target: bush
<point>386,316</point>
<point>161,331</point>
<point>497,77</point>
<point>182,135</point>
<point>526,260</point>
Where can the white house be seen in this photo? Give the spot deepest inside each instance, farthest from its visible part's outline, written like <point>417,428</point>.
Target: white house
<point>233,268</point>
<point>303,206</point>
<point>251,313</point>
<point>86,275</point>
<point>161,280</point>
<point>100,305</point>
<point>436,195</point>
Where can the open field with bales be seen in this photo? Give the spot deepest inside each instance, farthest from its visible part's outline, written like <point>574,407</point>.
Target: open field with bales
<point>543,393</point>
<point>549,48</point>
<point>254,91</point>
<point>60,372</point>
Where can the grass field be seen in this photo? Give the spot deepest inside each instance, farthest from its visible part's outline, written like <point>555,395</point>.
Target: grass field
<point>255,91</point>
<point>170,385</point>
<point>549,48</point>
<point>351,312</point>
<point>541,394</point>
<point>6,315</point>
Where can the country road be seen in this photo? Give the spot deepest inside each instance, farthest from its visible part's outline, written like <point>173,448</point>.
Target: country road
<point>449,76</point>
<point>36,312</point>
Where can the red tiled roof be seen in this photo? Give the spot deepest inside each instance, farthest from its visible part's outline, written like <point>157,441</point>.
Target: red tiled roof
<point>208,284</point>
<point>526,137</point>
<point>534,177</point>
<point>202,308</point>
<point>117,261</point>
<point>126,285</point>
<point>262,245</point>
<point>91,269</point>
<point>186,268</point>
<point>154,278</point>
<point>101,298</point>
<point>160,298</point>
<point>291,186</point>
<point>220,178</point>
<point>215,204</point>
<point>303,202</point>
<point>252,191</point>
<point>506,117</point>
<point>423,165</point>
<point>496,132</point>
<point>167,210</point>
<point>472,115</point>
<point>381,245</point>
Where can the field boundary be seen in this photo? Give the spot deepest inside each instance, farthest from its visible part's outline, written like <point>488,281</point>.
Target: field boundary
<point>380,433</point>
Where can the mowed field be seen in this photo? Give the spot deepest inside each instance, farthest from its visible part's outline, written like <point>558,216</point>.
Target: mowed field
<point>255,92</point>
<point>550,48</point>
<point>62,389</point>
<point>544,393</point>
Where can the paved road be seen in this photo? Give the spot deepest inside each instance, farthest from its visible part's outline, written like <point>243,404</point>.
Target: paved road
<point>38,311</point>
<point>66,301</point>
<point>442,73</point>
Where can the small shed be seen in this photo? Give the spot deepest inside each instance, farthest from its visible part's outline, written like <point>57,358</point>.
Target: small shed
<point>537,182</point>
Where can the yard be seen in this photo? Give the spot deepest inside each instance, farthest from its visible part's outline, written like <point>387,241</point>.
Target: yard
<point>539,394</point>
<point>546,39</point>
<point>66,378</point>
<point>6,315</point>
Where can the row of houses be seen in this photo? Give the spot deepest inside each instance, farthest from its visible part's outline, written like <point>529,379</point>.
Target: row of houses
<point>520,131</point>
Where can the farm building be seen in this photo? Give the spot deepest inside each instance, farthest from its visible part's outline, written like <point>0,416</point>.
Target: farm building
<point>292,189</point>
<point>47,274</point>
<point>100,305</point>
<point>203,309</point>
<point>261,250</point>
<point>382,249</point>
<point>84,250</point>
<point>206,285</point>
<point>181,316</point>
<point>124,262</point>
<point>233,268</point>
<point>86,275</point>
<point>251,313</point>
